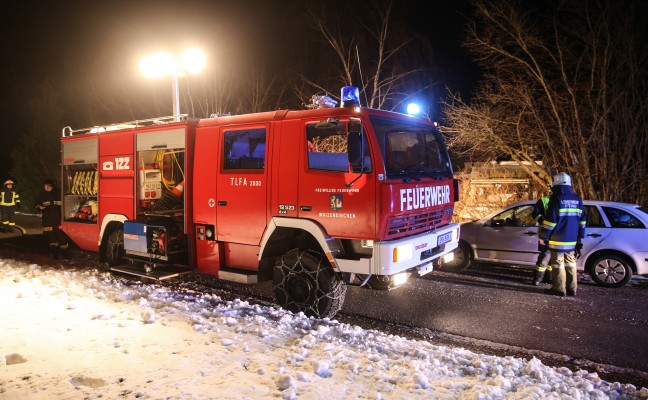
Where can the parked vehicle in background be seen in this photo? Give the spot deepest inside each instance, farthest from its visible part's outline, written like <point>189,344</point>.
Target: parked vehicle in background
<point>615,246</point>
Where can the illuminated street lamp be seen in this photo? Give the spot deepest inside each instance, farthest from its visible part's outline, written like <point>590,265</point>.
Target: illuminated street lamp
<point>162,64</point>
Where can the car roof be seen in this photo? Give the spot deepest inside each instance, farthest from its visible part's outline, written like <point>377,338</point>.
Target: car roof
<point>586,202</point>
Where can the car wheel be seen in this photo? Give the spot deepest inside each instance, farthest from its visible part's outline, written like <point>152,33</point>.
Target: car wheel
<point>462,257</point>
<point>610,271</point>
<point>304,282</point>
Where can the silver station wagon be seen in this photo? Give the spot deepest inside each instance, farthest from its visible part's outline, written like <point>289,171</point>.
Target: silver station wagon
<point>615,246</point>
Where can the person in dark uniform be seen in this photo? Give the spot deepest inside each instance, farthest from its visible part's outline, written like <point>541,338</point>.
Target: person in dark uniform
<point>9,203</point>
<point>562,230</point>
<point>49,204</point>
<point>542,271</point>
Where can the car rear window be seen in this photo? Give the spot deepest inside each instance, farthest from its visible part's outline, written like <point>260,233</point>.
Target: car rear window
<point>621,218</point>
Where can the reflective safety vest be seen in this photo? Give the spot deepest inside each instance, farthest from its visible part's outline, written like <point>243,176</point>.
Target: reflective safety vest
<point>9,197</point>
<point>564,223</point>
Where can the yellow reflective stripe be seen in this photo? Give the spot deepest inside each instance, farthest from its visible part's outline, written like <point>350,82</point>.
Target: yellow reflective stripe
<point>57,202</point>
<point>562,243</point>
<point>569,212</point>
<point>47,228</point>
<point>548,224</point>
<point>576,210</point>
<point>583,223</point>
<point>46,203</point>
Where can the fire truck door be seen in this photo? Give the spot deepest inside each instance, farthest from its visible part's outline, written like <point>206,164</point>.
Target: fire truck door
<point>241,194</point>
<point>341,200</point>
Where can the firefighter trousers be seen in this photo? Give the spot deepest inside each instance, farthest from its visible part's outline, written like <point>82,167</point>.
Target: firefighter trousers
<point>565,277</point>
<point>7,217</point>
<point>542,264</point>
<point>57,240</point>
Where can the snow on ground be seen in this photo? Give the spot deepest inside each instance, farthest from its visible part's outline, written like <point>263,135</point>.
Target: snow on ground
<point>69,334</point>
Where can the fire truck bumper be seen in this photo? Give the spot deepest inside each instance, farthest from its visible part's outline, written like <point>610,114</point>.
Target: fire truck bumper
<point>411,253</point>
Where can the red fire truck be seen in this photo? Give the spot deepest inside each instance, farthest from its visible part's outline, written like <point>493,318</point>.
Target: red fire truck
<point>315,199</point>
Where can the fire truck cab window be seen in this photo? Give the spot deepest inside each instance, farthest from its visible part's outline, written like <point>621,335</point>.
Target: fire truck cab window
<point>327,146</point>
<point>411,150</point>
<point>245,149</point>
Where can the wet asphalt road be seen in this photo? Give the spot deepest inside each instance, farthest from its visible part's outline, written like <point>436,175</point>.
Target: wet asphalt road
<point>497,305</point>
<point>485,308</point>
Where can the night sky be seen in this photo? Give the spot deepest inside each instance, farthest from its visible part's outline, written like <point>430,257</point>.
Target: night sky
<point>70,41</point>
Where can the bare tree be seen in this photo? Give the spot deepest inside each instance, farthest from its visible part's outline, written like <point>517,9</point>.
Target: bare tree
<point>564,84</point>
<point>371,54</point>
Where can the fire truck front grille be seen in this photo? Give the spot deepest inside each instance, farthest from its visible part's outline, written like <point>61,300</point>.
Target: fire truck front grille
<point>412,224</point>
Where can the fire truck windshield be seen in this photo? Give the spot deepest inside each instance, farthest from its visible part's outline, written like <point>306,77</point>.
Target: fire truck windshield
<point>411,150</point>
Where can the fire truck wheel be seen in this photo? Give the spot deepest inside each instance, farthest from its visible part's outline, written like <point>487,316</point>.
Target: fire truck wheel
<point>303,281</point>
<point>115,248</point>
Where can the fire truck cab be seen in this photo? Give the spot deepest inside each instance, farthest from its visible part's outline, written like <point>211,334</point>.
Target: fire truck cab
<point>313,199</point>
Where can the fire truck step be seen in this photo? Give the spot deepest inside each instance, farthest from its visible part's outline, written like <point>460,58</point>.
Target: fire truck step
<point>238,275</point>
<point>158,273</point>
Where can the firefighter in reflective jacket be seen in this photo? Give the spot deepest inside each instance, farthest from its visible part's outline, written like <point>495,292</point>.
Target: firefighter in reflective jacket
<point>562,230</point>
<point>9,203</point>
<point>49,204</point>
<point>542,271</point>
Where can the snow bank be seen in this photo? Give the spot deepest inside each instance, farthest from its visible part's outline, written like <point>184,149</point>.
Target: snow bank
<point>70,334</point>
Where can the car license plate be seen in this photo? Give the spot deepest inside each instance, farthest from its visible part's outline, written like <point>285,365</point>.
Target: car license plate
<point>445,238</point>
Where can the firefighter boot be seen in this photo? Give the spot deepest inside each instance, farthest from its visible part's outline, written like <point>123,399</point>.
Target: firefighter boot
<point>537,277</point>
<point>547,277</point>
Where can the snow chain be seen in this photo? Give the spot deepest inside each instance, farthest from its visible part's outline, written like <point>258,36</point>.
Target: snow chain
<point>299,271</point>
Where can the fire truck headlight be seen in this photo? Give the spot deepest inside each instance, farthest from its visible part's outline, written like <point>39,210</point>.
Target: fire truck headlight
<point>403,253</point>
<point>209,233</point>
<point>399,279</point>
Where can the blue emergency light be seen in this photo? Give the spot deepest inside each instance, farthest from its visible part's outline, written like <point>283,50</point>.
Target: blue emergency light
<point>350,96</point>
<point>413,109</point>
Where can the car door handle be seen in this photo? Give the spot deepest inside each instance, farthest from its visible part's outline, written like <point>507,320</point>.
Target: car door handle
<point>222,203</point>
<point>305,208</point>
<point>594,235</point>
<point>530,233</point>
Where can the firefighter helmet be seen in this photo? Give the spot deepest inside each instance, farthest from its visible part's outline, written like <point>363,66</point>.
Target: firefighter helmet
<point>8,182</point>
<point>562,179</point>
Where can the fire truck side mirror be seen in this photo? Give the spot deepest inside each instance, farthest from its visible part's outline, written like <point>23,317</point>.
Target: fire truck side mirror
<point>354,150</point>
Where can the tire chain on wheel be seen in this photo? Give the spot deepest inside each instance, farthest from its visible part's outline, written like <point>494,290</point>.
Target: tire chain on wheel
<point>336,295</point>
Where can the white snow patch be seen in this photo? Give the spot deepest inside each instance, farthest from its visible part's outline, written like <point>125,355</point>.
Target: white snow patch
<point>97,333</point>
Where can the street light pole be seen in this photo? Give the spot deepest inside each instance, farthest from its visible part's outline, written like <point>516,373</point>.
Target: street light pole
<point>176,95</point>
<point>164,64</point>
